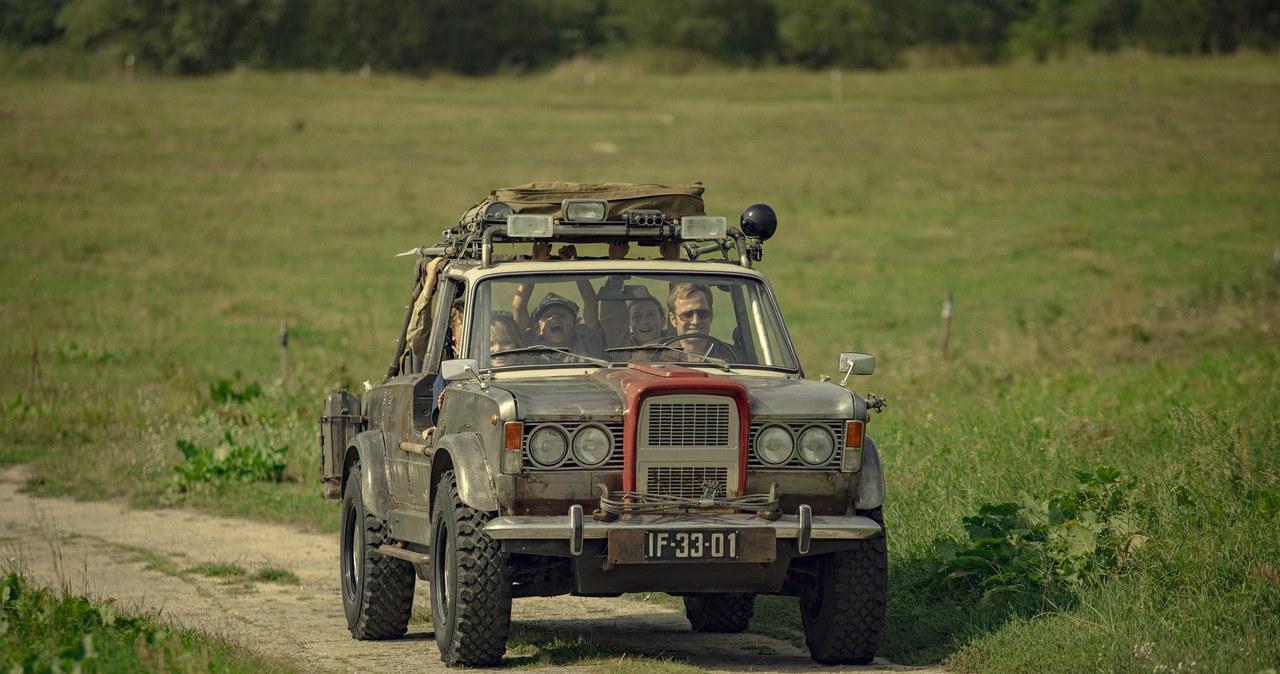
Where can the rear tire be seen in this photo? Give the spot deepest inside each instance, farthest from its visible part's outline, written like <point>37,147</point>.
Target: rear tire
<point>377,591</point>
<point>470,583</point>
<point>727,612</point>
<point>843,613</point>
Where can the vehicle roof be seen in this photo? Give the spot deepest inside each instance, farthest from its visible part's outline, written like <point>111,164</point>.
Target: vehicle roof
<point>472,271</point>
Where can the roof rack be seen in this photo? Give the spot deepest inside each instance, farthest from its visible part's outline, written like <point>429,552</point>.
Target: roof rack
<point>591,221</point>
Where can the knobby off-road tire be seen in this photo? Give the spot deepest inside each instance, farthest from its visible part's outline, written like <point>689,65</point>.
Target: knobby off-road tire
<point>377,591</point>
<point>470,583</point>
<point>843,613</point>
<point>729,612</point>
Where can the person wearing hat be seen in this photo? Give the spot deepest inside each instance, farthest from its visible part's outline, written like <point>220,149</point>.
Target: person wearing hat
<point>555,320</point>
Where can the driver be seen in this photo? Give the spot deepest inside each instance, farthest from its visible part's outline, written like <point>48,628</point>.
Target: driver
<point>689,308</point>
<point>689,313</point>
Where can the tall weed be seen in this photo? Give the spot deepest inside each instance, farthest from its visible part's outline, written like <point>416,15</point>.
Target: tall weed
<point>229,461</point>
<point>1069,537</point>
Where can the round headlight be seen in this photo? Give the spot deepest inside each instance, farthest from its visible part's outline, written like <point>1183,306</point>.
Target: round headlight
<point>592,445</point>
<point>817,445</point>
<point>547,446</point>
<point>774,445</point>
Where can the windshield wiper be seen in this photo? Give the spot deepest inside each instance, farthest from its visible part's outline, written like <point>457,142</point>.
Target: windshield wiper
<point>718,362</point>
<point>543,348</point>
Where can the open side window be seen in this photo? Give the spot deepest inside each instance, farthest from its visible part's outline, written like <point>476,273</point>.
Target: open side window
<point>446,330</point>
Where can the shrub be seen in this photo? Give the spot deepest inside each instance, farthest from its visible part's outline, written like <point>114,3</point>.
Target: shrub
<point>1071,537</point>
<point>229,462</point>
<point>224,392</point>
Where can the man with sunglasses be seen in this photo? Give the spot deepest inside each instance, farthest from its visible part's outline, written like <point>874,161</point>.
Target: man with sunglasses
<point>689,312</point>
<point>689,308</point>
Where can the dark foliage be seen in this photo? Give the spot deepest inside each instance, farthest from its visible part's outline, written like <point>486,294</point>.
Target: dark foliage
<point>477,37</point>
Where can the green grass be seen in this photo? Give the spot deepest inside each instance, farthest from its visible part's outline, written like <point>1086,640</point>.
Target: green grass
<point>233,572</point>
<point>1107,227</point>
<point>45,630</point>
<point>531,646</point>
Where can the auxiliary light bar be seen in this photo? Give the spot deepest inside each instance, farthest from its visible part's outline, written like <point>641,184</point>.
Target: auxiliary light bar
<point>584,210</point>
<point>525,225</point>
<point>703,227</point>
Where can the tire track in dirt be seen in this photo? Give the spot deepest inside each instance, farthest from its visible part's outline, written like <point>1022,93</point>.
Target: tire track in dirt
<point>139,558</point>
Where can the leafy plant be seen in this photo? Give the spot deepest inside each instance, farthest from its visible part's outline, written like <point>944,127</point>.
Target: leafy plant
<point>73,352</point>
<point>224,392</point>
<point>229,462</point>
<point>1071,537</point>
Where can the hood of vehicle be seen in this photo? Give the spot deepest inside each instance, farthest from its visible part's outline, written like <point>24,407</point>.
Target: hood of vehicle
<point>599,396</point>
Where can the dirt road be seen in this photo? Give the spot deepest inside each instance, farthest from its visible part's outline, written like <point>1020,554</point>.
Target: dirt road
<point>144,558</point>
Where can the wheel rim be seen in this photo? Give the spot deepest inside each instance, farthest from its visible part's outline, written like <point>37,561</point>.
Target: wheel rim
<point>352,544</point>
<point>441,555</point>
<point>811,599</point>
<point>811,607</point>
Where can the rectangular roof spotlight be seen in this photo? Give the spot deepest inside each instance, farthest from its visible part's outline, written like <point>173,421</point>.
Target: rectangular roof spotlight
<point>703,227</point>
<point>584,210</point>
<point>525,225</point>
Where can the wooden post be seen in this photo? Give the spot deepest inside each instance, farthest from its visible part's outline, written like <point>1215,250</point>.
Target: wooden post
<point>284,353</point>
<point>837,87</point>
<point>34,385</point>
<point>946,326</point>
<point>1275,268</point>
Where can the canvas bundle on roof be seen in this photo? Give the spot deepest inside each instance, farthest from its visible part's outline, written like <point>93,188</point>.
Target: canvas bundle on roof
<point>545,198</point>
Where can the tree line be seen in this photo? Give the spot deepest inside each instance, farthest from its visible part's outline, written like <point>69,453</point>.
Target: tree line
<point>478,37</point>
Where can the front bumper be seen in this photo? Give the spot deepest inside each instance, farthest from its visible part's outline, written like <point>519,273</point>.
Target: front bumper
<point>802,528</point>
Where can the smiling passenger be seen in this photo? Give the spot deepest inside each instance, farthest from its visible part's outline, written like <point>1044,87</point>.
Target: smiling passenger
<point>644,319</point>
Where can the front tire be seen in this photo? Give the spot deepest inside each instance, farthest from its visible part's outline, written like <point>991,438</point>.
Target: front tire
<point>728,612</point>
<point>377,591</point>
<point>470,583</point>
<point>843,612</point>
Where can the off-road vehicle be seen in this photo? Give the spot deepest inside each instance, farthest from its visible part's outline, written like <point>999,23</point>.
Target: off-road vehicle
<point>500,458</point>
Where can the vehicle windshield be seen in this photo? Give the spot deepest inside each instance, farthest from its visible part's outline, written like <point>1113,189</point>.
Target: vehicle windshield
<point>720,321</point>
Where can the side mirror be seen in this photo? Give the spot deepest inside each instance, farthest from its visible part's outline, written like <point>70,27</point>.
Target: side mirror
<point>857,363</point>
<point>460,369</point>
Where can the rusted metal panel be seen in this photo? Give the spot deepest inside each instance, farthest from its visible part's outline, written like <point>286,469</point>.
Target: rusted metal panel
<point>827,492</point>
<point>548,493</point>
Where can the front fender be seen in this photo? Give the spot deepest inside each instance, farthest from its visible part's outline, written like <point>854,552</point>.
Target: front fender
<point>476,485</point>
<point>371,449</point>
<point>871,490</point>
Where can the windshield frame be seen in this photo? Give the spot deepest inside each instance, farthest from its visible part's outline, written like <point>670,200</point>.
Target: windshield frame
<point>740,299</point>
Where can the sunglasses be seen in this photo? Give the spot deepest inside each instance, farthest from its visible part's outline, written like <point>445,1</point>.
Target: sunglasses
<point>702,314</point>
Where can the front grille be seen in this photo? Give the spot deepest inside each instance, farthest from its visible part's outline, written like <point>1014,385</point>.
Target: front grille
<point>689,423</point>
<point>688,445</point>
<point>688,481</point>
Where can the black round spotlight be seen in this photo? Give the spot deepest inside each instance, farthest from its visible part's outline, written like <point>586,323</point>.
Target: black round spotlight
<point>759,221</point>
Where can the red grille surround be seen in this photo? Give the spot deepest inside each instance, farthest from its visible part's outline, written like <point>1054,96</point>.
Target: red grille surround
<point>643,380</point>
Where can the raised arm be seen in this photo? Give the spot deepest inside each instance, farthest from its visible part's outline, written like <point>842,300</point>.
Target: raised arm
<point>613,313</point>
<point>520,302</point>
<point>420,324</point>
<point>590,307</point>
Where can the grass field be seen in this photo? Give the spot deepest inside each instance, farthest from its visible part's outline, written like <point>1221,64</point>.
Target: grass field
<point>1109,229</point>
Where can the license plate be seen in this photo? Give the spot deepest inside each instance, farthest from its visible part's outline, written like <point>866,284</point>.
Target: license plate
<point>676,544</point>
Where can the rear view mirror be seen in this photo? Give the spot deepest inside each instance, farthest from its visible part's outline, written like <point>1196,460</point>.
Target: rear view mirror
<point>857,363</point>
<point>617,293</point>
